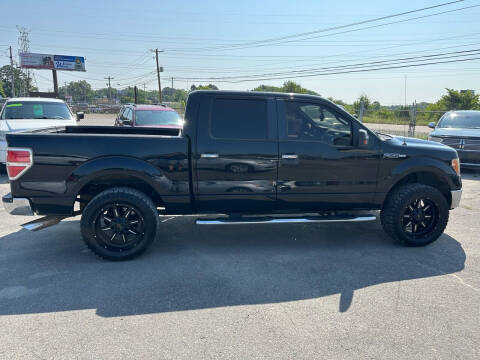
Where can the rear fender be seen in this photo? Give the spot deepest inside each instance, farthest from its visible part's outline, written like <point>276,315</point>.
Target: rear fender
<point>118,166</point>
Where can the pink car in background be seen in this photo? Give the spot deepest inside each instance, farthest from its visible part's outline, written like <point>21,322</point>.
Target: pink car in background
<point>159,116</point>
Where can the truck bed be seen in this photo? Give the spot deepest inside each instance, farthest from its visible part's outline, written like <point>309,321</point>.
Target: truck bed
<point>65,158</point>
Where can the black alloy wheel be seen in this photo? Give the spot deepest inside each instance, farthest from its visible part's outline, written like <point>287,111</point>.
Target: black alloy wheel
<point>419,217</point>
<point>119,226</point>
<point>415,214</point>
<point>119,223</point>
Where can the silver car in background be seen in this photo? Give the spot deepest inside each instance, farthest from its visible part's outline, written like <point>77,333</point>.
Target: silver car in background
<point>460,130</point>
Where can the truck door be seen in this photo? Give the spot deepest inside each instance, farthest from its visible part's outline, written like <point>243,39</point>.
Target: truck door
<point>321,166</point>
<point>236,155</point>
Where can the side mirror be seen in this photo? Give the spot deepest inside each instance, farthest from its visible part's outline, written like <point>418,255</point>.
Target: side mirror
<point>363,138</point>
<point>355,116</point>
<point>431,124</point>
<point>80,115</point>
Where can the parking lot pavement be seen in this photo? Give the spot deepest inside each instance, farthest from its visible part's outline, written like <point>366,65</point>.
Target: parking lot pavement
<point>285,291</point>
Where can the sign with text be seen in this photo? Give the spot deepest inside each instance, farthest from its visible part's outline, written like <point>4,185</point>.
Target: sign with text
<point>52,62</point>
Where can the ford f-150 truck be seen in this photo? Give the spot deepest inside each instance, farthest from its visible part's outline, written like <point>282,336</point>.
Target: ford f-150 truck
<point>247,157</point>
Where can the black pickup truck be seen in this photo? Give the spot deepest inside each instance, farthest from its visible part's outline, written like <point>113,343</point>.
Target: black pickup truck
<point>247,157</point>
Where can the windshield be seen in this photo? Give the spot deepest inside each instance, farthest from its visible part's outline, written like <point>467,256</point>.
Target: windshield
<point>36,110</point>
<point>157,117</point>
<point>461,120</point>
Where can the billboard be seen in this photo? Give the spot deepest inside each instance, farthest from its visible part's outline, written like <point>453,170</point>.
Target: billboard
<point>52,62</point>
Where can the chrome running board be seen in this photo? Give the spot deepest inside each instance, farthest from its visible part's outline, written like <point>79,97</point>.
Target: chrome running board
<point>43,222</point>
<point>269,220</point>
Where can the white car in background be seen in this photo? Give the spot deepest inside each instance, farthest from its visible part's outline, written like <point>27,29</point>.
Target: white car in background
<point>33,113</point>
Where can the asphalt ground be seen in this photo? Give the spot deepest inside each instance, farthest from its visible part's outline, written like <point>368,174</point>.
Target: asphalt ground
<point>290,291</point>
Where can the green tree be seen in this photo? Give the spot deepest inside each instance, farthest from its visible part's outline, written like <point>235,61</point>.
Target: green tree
<point>459,100</point>
<point>366,103</point>
<point>80,91</point>
<point>203,87</point>
<point>376,106</point>
<point>20,81</point>
<point>174,95</point>
<point>268,88</point>
<point>2,92</point>
<point>293,87</point>
<point>288,86</point>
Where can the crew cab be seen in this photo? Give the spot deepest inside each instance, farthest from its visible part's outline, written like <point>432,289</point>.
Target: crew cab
<point>32,113</point>
<point>241,157</point>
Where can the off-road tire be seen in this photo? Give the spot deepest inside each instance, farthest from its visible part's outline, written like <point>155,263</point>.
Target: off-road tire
<point>396,204</point>
<point>141,204</point>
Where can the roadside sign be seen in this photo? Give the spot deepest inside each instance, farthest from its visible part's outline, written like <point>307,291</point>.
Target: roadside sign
<point>52,62</point>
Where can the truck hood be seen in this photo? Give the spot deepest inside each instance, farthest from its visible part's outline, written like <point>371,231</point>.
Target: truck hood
<point>455,132</point>
<point>14,125</point>
<point>418,147</point>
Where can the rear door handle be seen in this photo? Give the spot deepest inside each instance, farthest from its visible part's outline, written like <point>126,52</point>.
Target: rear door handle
<point>209,156</point>
<point>289,156</point>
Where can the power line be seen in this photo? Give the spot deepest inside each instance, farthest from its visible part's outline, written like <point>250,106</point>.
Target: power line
<point>293,76</point>
<point>356,65</point>
<point>287,37</point>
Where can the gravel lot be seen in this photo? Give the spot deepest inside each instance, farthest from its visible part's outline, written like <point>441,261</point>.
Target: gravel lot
<point>240,292</point>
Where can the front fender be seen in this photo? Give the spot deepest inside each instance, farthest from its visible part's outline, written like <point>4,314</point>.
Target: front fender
<point>398,171</point>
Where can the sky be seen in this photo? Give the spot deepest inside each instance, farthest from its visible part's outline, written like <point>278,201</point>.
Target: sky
<point>203,39</point>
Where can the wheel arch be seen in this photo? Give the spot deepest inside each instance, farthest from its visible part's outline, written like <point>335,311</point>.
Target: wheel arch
<point>100,174</point>
<point>427,177</point>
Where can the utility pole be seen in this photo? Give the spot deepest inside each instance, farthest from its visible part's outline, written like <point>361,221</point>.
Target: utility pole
<point>172,82</point>
<point>13,73</point>
<point>55,82</point>
<point>109,78</point>
<point>144,93</point>
<point>158,76</point>
<point>24,43</point>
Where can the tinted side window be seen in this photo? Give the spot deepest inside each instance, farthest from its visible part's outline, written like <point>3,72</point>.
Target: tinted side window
<point>239,119</point>
<point>306,121</point>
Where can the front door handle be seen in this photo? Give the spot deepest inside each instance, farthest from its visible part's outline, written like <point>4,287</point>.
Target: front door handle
<point>209,156</point>
<point>289,156</point>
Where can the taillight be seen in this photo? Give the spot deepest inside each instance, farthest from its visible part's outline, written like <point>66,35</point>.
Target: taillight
<point>18,162</point>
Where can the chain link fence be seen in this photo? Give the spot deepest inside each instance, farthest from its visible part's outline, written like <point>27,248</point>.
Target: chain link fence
<point>406,121</point>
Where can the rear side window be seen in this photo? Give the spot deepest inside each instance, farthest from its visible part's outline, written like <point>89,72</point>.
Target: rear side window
<point>239,119</point>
